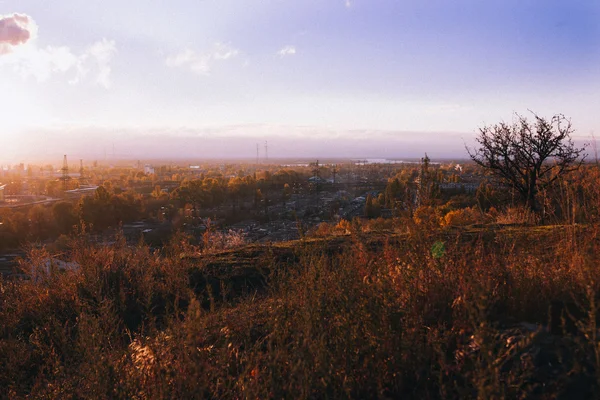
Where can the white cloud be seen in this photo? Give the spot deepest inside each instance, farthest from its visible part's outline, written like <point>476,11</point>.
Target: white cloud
<point>348,3</point>
<point>180,59</point>
<point>101,53</point>
<point>202,63</point>
<point>20,52</point>
<point>224,52</point>
<point>287,51</point>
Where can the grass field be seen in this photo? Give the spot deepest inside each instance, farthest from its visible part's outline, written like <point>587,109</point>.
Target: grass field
<point>484,311</point>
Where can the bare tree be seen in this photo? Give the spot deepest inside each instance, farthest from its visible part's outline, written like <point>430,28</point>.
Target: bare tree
<point>528,156</point>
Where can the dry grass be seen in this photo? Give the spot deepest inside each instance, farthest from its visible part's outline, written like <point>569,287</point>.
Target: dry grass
<point>358,316</point>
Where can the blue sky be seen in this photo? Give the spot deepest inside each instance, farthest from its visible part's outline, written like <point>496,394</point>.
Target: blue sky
<point>416,74</point>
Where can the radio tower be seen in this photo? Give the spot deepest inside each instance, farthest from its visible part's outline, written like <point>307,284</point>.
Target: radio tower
<point>256,153</point>
<point>65,173</point>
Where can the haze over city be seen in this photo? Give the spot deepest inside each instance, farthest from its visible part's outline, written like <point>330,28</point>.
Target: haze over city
<point>353,78</point>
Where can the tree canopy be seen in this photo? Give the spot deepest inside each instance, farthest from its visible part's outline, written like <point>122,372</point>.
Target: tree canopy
<point>528,155</point>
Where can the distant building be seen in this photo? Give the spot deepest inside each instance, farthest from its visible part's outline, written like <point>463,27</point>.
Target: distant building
<point>469,187</point>
<point>2,193</point>
<point>84,190</point>
<point>148,169</point>
<point>196,170</point>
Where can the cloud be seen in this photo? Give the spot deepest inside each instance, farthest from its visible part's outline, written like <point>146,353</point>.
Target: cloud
<point>348,3</point>
<point>15,30</point>
<point>100,54</point>
<point>93,64</point>
<point>287,51</point>
<point>224,52</point>
<point>202,63</point>
<point>20,52</point>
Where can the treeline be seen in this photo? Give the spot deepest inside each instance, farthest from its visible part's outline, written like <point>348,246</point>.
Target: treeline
<point>574,198</point>
<point>97,212</point>
<point>209,192</point>
<point>112,205</point>
<point>412,191</point>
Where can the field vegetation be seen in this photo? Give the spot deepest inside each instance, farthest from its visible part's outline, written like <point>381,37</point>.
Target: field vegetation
<point>447,303</point>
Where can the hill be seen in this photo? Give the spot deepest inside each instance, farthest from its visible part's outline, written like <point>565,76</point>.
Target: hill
<point>485,311</point>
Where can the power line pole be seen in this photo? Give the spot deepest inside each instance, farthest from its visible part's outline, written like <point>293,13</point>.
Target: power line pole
<point>334,171</point>
<point>317,180</point>
<point>82,180</point>
<point>65,173</point>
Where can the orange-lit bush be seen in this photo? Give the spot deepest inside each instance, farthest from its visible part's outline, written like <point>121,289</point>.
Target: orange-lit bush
<point>426,216</point>
<point>344,227</point>
<point>462,217</point>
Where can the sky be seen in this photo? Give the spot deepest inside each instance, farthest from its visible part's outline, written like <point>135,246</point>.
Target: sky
<point>335,78</point>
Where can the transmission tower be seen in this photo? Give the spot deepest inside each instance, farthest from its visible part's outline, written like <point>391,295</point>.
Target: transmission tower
<point>424,187</point>
<point>266,153</point>
<point>334,171</point>
<point>317,181</point>
<point>257,154</point>
<point>316,170</point>
<point>82,179</point>
<point>65,173</point>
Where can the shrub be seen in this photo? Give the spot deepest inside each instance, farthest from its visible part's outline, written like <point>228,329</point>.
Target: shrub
<point>217,240</point>
<point>379,225</point>
<point>426,216</point>
<point>323,230</point>
<point>517,215</point>
<point>344,227</point>
<point>462,217</point>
